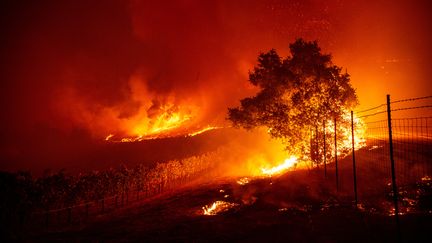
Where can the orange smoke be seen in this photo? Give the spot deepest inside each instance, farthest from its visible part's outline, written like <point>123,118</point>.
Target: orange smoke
<point>142,115</point>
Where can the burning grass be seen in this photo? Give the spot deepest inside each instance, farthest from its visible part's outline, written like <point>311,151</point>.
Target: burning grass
<point>160,133</point>
<point>297,206</point>
<point>243,181</point>
<point>287,164</point>
<point>218,207</point>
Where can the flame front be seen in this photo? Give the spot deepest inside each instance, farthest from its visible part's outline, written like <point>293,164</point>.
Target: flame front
<point>164,122</point>
<point>161,132</point>
<point>208,128</point>
<point>288,163</point>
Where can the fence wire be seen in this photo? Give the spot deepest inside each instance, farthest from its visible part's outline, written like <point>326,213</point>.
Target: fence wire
<point>411,122</point>
<point>412,148</point>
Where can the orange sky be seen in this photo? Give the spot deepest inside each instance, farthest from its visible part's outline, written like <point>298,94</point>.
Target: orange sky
<point>72,69</point>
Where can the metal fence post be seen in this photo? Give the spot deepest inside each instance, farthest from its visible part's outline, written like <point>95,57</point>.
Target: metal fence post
<point>353,158</point>
<point>393,171</point>
<point>325,155</point>
<point>336,159</point>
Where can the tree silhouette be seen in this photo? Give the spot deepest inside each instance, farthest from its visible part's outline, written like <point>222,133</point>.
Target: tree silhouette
<point>297,94</point>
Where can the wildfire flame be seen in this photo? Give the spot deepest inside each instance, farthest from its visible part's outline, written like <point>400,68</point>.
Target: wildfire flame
<point>359,133</point>
<point>111,137</point>
<point>344,146</point>
<point>218,207</point>
<point>164,122</point>
<point>107,138</point>
<point>288,163</point>
<point>243,181</point>
<point>208,128</point>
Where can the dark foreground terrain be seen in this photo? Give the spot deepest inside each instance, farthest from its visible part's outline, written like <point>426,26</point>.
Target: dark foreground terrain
<point>299,206</point>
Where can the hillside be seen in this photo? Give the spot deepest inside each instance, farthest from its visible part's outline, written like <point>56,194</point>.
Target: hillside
<point>297,206</point>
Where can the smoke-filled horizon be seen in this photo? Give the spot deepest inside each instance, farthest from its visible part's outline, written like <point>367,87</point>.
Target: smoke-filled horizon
<point>81,70</point>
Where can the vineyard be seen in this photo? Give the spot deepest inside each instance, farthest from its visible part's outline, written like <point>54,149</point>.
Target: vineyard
<point>60,198</point>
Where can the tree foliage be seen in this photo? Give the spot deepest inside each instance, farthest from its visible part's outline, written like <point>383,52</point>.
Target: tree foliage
<point>296,94</point>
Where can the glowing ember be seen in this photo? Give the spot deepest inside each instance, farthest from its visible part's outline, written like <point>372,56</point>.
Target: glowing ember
<point>288,163</point>
<point>243,181</point>
<point>218,207</point>
<point>426,179</point>
<point>392,212</point>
